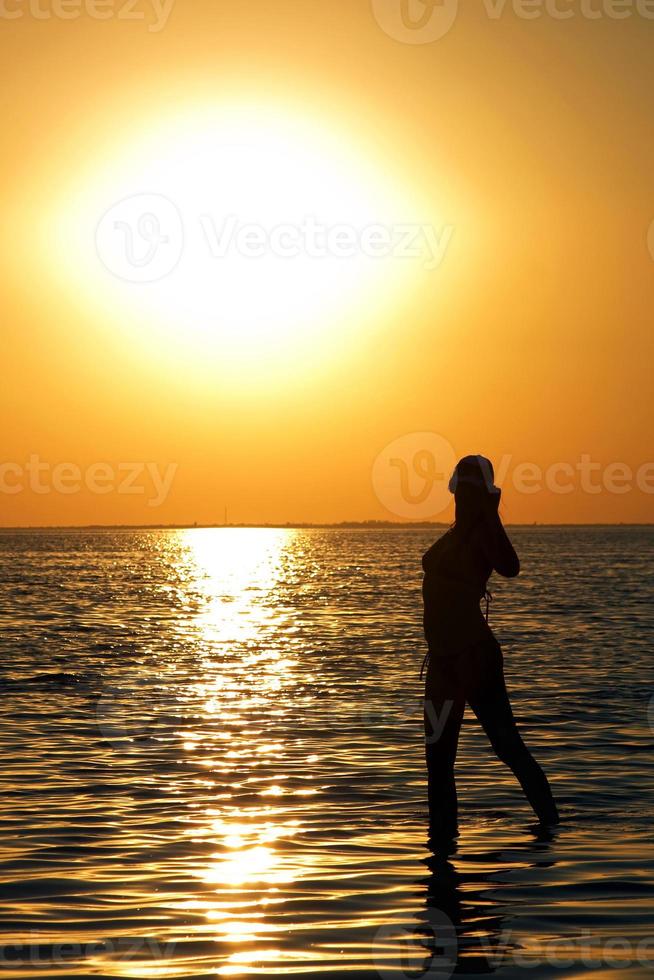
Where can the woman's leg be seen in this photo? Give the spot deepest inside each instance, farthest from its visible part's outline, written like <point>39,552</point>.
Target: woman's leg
<point>443,713</point>
<point>492,707</point>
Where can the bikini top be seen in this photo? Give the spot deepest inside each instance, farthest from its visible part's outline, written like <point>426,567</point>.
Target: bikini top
<point>456,561</point>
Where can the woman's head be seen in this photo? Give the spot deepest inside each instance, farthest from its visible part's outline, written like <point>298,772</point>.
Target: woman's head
<point>473,486</point>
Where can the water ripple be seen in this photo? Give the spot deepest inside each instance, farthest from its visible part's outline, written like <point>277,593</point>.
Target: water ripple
<point>213,761</point>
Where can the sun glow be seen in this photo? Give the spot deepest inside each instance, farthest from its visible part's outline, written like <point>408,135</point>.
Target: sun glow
<point>245,231</point>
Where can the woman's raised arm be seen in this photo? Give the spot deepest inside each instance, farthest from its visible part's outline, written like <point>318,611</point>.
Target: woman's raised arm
<point>500,552</point>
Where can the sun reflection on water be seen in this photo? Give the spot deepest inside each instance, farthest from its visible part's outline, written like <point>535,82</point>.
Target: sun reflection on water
<point>234,570</point>
<point>236,575</point>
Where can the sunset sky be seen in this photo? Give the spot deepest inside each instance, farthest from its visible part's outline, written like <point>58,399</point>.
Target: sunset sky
<point>519,154</point>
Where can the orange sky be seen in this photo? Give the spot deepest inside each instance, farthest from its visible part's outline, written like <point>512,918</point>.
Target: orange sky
<point>526,143</point>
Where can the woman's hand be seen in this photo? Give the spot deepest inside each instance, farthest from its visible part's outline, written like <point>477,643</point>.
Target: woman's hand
<point>492,501</point>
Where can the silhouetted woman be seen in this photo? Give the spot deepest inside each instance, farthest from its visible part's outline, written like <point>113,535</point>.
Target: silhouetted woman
<point>464,660</point>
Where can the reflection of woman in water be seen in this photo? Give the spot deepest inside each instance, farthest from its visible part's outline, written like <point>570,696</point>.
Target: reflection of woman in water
<point>464,660</point>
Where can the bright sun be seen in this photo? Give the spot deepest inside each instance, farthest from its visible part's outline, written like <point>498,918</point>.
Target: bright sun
<point>247,230</point>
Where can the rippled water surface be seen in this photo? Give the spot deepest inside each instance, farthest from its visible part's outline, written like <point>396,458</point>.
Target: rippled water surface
<point>212,760</point>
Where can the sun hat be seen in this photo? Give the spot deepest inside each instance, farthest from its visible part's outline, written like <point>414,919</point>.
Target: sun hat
<point>475,470</point>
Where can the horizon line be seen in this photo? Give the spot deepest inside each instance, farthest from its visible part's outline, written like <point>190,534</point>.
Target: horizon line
<point>303,525</point>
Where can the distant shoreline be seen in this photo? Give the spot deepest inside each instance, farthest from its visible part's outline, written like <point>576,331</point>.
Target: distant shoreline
<point>299,526</point>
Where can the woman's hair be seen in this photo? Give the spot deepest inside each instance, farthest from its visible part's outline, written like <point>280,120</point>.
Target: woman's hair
<point>472,483</point>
